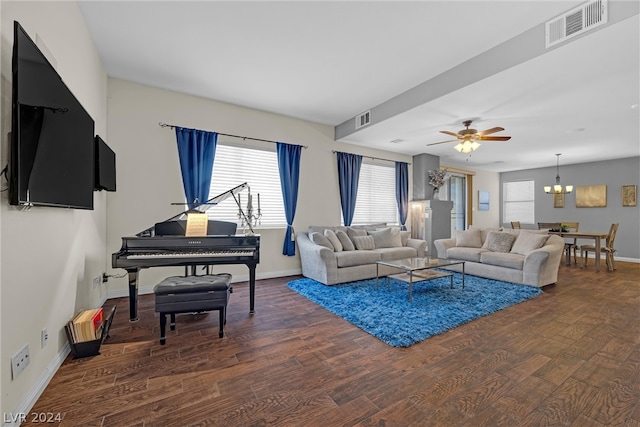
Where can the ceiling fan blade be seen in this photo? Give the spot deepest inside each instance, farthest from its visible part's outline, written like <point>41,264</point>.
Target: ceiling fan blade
<point>494,138</point>
<point>450,133</point>
<point>442,142</point>
<point>492,130</point>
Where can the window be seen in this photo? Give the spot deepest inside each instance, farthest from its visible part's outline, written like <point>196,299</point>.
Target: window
<point>518,202</point>
<point>234,165</point>
<point>376,201</point>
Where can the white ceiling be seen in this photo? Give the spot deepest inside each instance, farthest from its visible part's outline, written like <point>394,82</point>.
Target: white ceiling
<point>329,61</point>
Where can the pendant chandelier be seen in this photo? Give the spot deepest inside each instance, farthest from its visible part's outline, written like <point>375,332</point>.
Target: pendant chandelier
<point>557,188</point>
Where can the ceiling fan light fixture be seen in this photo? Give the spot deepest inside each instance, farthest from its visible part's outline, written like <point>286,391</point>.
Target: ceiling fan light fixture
<point>468,138</point>
<point>466,146</point>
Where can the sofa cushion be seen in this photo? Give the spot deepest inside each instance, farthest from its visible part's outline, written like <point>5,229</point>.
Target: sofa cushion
<point>469,238</point>
<point>386,238</point>
<point>527,242</point>
<point>390,254</point>
<point>319,239</point>
<point>353,258</point>
<point>335,242</point>
<point>364,243</point>
<point>465,254</point>
<point>370,227</point>
<point>345,241</point>
<point>498,241</point>
<point>501,259</point>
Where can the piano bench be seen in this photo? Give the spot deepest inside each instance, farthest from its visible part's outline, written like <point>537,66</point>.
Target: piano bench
<point>192,294</point>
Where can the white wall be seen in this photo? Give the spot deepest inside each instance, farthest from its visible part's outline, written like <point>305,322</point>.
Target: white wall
<point>49,255</point>
<point>487,181</point>
<point>149,176</point>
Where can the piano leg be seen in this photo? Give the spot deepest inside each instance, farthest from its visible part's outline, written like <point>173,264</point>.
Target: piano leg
<point>133,295</point>
<point>252,286</point>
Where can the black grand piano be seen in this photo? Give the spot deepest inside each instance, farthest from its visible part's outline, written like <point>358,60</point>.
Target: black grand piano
<point>165,245</point>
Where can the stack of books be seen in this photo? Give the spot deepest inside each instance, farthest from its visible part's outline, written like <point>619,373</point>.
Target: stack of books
<point>86,326</point>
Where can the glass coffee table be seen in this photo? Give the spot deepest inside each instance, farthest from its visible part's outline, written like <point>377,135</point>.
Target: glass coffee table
<point>418,269</point>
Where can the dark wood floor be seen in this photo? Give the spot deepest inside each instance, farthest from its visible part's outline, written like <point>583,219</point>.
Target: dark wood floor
<point>570,357</point>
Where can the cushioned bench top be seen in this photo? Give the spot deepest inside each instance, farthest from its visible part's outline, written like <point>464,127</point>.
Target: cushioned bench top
<point>193,284</point>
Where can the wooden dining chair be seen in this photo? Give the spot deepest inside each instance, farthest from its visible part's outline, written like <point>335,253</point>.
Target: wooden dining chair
<point>548,226</point>
<point>571,245</point>
<point>515,224</point>
<point>608,249</point>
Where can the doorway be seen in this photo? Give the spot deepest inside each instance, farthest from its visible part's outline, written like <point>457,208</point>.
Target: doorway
<point>459,195</point>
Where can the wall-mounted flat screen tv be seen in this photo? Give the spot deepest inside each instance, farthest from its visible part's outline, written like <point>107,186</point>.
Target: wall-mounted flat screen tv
<point>105,166</point>
<point>52,135</point>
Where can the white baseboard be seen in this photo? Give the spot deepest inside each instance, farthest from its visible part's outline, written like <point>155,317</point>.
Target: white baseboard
<point>616,258</point>
<point>30,399</point>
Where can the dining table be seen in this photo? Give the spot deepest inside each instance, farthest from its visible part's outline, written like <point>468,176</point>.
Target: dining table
<point>597,237</point>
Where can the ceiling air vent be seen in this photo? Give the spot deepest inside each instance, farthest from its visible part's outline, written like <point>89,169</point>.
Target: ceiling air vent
<point>363,119</point>
<point>576,21</point>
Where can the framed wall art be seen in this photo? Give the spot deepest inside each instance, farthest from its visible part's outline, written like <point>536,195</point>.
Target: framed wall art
<point>629,194</point>
<point>558,200</point>
<point>591,196</point>
<point>483,200</point>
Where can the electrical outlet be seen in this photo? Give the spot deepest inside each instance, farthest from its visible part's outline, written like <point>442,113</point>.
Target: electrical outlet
<point>20,361</point>
<point>96,281</point>
<point>44,338</point>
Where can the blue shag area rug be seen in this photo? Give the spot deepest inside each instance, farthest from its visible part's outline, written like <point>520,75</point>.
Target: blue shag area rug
<point>387,314</point>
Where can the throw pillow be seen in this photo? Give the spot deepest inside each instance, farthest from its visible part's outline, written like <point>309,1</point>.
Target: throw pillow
<point>396,239</point>
<point>364,243</point>
<point>484,231</point>
<point>335,242</point>
<point>346,242</point>
<point>469,238</point>
<point>404,237</point>
<point>386,238</point>
<point>319,239</point>
<point>527,242</point>
<point>499,242</point>
<point>355,232</point>
<point>320,228</point>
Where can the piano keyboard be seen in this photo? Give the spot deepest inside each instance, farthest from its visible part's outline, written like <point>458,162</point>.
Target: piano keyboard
<point>198,254</point>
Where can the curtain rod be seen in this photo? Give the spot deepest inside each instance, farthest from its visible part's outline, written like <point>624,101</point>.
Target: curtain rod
<point>164,125</point>
<point>370,157</point>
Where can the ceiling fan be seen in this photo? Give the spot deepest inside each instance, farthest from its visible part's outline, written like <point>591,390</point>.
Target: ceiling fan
<point>468,138</point>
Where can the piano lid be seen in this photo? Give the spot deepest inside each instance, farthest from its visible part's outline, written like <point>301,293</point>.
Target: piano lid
<point>202,208</point>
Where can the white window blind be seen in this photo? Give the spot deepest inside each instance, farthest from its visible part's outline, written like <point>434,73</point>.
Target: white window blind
<point>518,200</point>
<point>376,200</point>
<point>234,165</point>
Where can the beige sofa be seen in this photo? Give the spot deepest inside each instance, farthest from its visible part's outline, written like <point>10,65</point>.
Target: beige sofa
<point>526,257</point>
<point>332,255</point>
